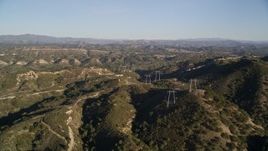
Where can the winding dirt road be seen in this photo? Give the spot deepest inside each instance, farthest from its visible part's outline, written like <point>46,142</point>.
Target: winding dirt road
<point>71,143</point>
<point>52,131</point>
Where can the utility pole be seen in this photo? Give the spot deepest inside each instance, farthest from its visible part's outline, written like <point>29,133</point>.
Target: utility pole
<point>171,92</point>
<point>157,76</point>
<point>148,78</point>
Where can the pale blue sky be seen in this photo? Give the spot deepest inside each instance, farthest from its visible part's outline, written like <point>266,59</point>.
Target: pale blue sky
<point>137,19</point>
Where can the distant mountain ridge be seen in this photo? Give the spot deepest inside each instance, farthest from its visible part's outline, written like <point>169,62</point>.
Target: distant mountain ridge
<point>199,42</point>
<point>43,39</point>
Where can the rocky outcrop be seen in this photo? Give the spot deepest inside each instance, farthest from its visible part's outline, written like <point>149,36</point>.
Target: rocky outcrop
<point>31,75</point>
<point>21,63</point>
<point>41,62</point>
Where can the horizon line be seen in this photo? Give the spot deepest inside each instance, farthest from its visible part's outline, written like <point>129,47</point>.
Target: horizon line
<point>137,39</point>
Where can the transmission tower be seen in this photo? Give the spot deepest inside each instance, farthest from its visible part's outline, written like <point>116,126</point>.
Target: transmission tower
<point>190,88</point>
<point>171,92</point>
<point>195,81</point>
<point>148,78</point>
<point>193,87</point>
<point>157,76</point>
<point>123,68</point>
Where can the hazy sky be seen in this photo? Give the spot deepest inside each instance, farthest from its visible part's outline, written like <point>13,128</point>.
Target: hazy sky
<point>137,19</point>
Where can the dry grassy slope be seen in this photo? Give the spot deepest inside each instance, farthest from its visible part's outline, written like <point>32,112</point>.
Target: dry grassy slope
<point>25,84</point>
<point>126,115</point>
<point>193,123</point>
<point>241,81</point>
<point>44,121</point>
<point>108,122</point>
<point>247,87</point>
